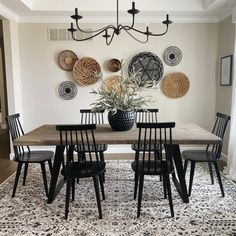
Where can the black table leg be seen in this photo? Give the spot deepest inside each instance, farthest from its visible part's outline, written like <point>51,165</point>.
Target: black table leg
<point>180,183</point>
<point>55,172</point>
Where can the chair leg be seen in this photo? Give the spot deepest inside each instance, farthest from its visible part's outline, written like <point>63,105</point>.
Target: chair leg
<point>185,165</point>
<point>102,159</point>
<point>191,177</point>
<point>136,177</point>
<point>102,186</point>
<point>219,179</point>
<point>164,187</point>
<point>140,194</point>
<point>211,172</point>
<point>16,178</point>
<point>44,177</point>
<point>68,186</point>
<point>96,186</point>
<point>73,189</point>
<point>50,165</point>
<point>157,157</point>
<point>25,173</point>
<point>168,186</point>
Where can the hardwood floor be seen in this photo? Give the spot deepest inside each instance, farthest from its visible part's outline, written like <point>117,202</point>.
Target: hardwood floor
<point>7,168</point>
<point>4,144</point>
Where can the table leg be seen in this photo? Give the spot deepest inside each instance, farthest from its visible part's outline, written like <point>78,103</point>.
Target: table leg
<point>181,183</point>
<point>55,172</point>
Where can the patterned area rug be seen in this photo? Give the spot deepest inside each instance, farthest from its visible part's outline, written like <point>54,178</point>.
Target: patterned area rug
<point>206,214</point>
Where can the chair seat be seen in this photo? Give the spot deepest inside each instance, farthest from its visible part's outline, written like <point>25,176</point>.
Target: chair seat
<point>83,169</point>
<point>99,148</point>
<point>34,156</point>
<point>199,155</point>
<point>150,168</point>
<point>141,148</point>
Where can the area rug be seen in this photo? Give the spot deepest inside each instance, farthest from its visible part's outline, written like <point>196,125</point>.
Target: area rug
<point>206,214</point>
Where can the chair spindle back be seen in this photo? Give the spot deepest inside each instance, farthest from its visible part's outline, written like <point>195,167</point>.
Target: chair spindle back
<point>90,117</point>
<point>81,136</point>
<point>146,115</point>
<point>151,137</point>
<point>16,131</point>
<point>219,130</point>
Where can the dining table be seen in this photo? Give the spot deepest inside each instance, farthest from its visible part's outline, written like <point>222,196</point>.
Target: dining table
<point>182,134</point>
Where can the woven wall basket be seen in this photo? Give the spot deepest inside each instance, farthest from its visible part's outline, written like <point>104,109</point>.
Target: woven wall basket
<point>67,59</point>
<point>114,65</point>
<point>86,71</point>
<point>112,83</point>
<point>175,85</point>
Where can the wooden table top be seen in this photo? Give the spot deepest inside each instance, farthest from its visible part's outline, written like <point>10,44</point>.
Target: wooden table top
<point>47,135</point>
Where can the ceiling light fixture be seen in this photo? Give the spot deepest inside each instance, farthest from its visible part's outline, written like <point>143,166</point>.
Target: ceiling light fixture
<point>110,30</point>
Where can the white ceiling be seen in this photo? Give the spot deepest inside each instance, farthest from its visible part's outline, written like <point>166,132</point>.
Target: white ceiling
<point>104,10</point>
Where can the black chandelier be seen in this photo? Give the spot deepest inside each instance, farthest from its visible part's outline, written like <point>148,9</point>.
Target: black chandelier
<point>110,30</point>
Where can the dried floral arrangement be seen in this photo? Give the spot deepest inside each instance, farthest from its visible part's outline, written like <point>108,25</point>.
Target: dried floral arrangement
<point>124,93</point>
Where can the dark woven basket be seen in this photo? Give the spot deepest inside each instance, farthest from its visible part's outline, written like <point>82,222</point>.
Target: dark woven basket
<point>121,120</point>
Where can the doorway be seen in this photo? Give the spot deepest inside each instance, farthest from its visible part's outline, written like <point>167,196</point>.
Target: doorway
<point>4,134</point>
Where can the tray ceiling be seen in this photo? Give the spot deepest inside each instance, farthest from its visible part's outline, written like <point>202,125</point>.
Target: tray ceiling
<point>104,10</point>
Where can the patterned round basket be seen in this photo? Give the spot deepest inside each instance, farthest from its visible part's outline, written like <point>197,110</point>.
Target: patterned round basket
<point>172,56</point>
<point>86,71</point>
<point>67,90</point>
<point>67,59</point>
<point>148,65</point>
<point>175,85</point>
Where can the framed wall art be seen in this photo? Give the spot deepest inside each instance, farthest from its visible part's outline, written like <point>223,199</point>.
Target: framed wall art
<point>226,70</point>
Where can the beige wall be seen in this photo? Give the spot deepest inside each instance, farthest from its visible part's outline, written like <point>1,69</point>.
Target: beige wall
<point>13,66</point>
<point>41,74</point>
<point>224,93</point>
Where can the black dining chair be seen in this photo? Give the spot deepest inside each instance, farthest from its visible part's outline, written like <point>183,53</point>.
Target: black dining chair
<point>210,155</point>
<point>154,135</point>
<point>25,156</point>
<point>86,166</point>
<point>144,116</point>
<point>88,116</point>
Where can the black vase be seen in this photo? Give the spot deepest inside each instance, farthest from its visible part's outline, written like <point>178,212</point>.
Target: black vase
<point>121,120</point>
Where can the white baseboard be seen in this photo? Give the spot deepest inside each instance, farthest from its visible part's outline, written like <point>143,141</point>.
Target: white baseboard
<point>12,156</point>
<point>224,157</point>
<point>119,149</point>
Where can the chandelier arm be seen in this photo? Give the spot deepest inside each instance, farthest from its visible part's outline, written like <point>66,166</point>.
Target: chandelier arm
<point>161,33</point>
<point>94,31</point>
<point>150,33</point>
<point>79,40</point>
<point>109,42</point>
<point>135,37</point>
<point>132,25</point>
<point>126,26</point>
